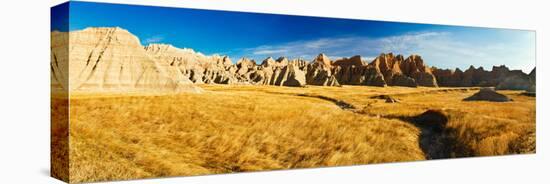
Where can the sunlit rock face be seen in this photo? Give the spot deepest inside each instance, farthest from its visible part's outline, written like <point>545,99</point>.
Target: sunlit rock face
<point>112,59</point>
<point>500,77</point>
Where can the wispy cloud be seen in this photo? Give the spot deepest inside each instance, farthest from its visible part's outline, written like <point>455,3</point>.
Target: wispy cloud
<point>268,51</point>
<point>153,39</point>
<point>441,49</point>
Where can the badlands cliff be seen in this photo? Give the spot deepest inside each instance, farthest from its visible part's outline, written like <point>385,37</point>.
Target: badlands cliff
<point>112,59</point>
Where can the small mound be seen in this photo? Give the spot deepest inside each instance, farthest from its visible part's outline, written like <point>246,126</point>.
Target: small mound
<point>387,98</point>
<point>488,94</point>
<point>433,119</point>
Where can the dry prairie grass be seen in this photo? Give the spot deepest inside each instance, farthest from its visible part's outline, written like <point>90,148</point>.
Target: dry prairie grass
<point>59,138</point>
<point>252,128</point>
<point>479,128</point>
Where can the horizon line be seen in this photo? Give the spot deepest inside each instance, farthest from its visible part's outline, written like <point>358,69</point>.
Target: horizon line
<point>368,59</point>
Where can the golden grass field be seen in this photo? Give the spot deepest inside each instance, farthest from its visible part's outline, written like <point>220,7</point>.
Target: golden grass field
<point>252,128</point>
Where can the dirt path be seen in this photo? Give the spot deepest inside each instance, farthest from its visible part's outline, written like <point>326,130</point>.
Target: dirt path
<point>340,103</point>
<point>436,144</point>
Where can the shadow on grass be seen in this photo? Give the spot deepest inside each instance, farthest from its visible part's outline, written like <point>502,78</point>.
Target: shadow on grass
<point>436,140</point>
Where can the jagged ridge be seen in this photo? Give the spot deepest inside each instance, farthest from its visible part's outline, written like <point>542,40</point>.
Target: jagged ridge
<point>112,59</point>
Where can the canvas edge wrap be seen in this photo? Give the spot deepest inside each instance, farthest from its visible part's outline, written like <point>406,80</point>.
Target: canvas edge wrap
<point>59,94</point>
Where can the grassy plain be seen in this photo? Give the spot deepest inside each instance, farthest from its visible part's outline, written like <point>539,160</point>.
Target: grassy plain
<point>252,128</point>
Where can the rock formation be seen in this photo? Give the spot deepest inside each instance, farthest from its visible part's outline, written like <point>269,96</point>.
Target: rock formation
<point>279,72</point>
<point>447,77</point>
<point>515,82</point>
<point>488,94</point>
<point>533,75</point>
<point>390,67</point>
<point>415,68</point>
<point>533,79</point>
<point>110,59</point>
<point>354,71</point>
<point>410,72</point>
<point>386,69</point>
<point>500,77</point>
<point>291,75</point>
<point>319,72</point>
<point>192,64</point>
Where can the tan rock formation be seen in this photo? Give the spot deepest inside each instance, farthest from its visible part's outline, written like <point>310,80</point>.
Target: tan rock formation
<point>268,62</point>
<point>410,72</point>
<point>300,63</point>
<point>111,59</point>
<point>319,72</point>
<point>279,72</point>
<point>282,61</point>
<point>323,60</point>
<point>183,61</point>
<point>196,66</point>
<point>447,77</point>
<point>354,71</point>
<point>244,65</point>
<point>500,77</point>
<point>415,68</point>
<point>389,66</point>
<point>290,75</point>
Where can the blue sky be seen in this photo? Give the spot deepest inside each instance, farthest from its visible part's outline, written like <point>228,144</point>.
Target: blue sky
<point>258,36</point>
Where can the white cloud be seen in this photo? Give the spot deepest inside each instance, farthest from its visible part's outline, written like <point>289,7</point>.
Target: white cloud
<point>153,39</point>
<point>269,51</point>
